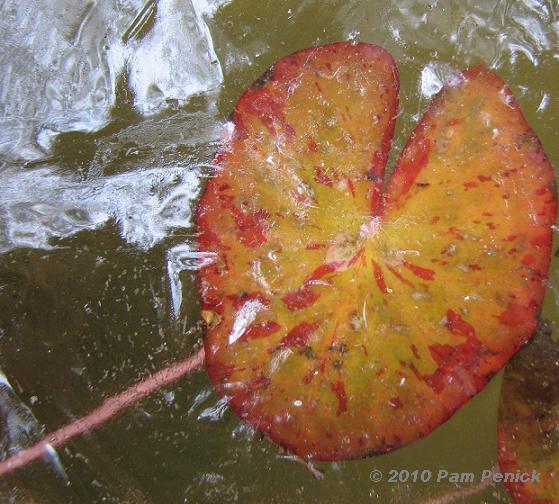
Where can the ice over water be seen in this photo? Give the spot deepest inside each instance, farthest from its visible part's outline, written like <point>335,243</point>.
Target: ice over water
<point>61,65</point>
<point>61,61</point>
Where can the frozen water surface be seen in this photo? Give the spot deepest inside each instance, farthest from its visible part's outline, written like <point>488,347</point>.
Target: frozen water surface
<point>110,114</point>
<point>61,62</point>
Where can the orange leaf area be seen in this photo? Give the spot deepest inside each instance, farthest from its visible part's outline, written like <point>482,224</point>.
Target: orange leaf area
<point>348,320</point>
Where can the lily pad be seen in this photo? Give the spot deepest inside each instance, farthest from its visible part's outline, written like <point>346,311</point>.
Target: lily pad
<point>343,320</point>
<point>529,421</point>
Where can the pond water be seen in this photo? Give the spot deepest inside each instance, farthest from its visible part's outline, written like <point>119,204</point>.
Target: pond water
<point>110,113</point>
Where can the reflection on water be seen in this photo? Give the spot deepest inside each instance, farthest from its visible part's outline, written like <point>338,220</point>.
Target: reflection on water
<point>110,113</point>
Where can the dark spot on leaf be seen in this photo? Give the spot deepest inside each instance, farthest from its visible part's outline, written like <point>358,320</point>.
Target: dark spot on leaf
<point>263,79</point>
<point>308,352</point>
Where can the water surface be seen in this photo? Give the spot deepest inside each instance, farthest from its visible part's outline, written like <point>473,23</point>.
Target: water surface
<point>110,114</point>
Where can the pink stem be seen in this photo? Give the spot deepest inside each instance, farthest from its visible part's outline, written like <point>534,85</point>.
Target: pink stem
<point>460,495</point>
<point>110,407</point>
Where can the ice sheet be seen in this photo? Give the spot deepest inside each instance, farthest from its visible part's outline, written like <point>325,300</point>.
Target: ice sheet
<point>179,40</point>
<point>37,205</point>
<point>61,61</point>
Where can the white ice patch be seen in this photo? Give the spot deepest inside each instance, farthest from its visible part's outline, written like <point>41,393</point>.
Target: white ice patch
<point>37,205</point>
<point>245,316</point>
<point>433,77</point>
<point>4,380</point>
<point>370,228</point>
<point>208,8</point>
<point>544,103</point>
<point>20,428</point>
<point>431,84</point>
<point>183,258</point>
<point>215,413</point>
<point>60,61</point>
<point>176,59</point>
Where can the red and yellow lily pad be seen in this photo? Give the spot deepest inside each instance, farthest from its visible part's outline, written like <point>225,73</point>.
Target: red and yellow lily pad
<point>529,422</point>
<point>344,320</point>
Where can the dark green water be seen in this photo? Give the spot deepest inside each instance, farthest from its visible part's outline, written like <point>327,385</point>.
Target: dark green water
<point>94,314</point>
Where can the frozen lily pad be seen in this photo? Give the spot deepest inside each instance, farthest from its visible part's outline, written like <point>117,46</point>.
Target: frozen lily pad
<point>529,421</point>
<point>343,322</point>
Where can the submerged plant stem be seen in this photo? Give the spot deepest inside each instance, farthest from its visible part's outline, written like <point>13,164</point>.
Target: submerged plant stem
<point>110,408</point>
<point>461,494</point>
